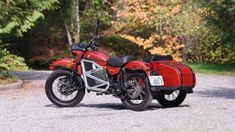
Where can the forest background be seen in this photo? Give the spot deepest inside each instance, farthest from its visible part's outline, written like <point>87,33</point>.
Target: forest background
<point>200,33</point>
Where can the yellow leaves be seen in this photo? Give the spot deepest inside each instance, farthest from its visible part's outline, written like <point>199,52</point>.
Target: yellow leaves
<point>140,11</point>
<point>179,46</point>
<point>170,44</point>
<point>176,9</point>
<point>157,50</point>
<point>135,14</point>
<point>145,43</point>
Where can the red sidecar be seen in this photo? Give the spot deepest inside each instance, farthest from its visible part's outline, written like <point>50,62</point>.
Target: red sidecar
<point>176,75</point>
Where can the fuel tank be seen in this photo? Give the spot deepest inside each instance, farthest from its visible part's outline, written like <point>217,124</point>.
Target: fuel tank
<point>97,56</point>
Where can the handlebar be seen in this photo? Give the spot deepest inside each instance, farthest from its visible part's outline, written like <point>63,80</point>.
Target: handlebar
<point>91,43</point>
<point>92,46</point>
<point>84,47</point>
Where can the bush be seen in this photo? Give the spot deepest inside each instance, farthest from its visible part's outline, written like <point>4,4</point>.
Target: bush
<point>43,62</point>
<point>9,62</point>
<point>117,46</point>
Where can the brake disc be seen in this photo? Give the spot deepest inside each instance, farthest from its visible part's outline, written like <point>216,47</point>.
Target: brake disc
<point>135,92</point>
<point>63,89</point>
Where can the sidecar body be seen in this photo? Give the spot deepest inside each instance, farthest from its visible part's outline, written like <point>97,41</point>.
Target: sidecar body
<point>173,75</point>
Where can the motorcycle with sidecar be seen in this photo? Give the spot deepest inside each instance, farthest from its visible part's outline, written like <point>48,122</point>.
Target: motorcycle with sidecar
<point>134,81</point>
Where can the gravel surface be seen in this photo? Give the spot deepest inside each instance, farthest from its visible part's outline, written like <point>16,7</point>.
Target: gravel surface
<point>210,108</point>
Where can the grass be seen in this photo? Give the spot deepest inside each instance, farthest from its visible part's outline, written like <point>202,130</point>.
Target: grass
<point>221,69</point>
<point>6,77</point>
<point>7,80</point>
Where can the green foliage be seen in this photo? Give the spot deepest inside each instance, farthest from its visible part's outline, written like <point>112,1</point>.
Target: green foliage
<point>231,7</point>
<point>18,16</point>
<point>205,28</point>
<point>42,62</point>
<point>213,68</point>
<point>117,46</point>
<point>10,62</point>
<point>98,10</point>
<point>92,11</point>
<point>217,42</point>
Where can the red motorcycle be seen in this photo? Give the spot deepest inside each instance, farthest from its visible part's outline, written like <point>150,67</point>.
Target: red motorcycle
<point>135,82</point>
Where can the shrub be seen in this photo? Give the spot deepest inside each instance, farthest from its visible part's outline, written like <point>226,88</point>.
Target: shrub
<point>10,62</point>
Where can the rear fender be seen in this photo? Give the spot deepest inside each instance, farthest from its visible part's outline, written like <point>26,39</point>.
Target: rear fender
<point>133,67</point>
<point>138,65</point>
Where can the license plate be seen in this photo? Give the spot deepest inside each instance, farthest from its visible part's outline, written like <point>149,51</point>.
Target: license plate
<point>156,80</point>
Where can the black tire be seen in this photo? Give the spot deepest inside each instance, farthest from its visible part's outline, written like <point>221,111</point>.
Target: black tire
<point>147,99</point>
<point>51,96</point>
<point>176,102</point>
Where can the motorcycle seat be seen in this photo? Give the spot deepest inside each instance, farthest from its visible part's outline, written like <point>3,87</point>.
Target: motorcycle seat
<point>120,61</point>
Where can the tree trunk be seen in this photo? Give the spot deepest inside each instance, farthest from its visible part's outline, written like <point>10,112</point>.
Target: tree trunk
<point>68,34</point>
<point>77,38</point>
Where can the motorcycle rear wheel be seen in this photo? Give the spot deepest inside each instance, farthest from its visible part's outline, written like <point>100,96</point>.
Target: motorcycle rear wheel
<point>51,89</point>
<point>145,96</point>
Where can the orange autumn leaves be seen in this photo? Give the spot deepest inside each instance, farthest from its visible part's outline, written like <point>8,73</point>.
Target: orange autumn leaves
<point>176,9</point>
<point>134,14</point>
<point>134,10</point>
<point>160,45</point>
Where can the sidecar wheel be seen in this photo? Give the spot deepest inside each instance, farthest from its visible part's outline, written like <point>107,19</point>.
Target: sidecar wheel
<point>171,99</point>
<point>141,100</point>
<point>56,89</point>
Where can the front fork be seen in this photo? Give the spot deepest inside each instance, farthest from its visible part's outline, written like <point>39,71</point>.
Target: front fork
<point>73,79</point>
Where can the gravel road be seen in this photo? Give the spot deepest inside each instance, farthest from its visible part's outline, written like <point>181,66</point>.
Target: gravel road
<point>210,108</point>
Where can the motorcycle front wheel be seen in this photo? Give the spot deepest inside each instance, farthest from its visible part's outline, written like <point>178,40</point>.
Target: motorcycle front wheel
<point>60,92</point>
<point>138,96</point>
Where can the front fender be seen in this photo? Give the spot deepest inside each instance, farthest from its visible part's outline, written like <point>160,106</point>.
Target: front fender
<point>67,63</point>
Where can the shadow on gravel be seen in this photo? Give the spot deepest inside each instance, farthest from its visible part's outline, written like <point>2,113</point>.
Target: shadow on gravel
<point>116,106</point>
<point>157,106</point>
<point>113,106</point>
<point>226,93</point>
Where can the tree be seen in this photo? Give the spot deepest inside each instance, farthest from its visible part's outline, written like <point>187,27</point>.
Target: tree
<point>80,15</point>
<point>219,44</point>
<point>197,30</point>
<point>18,16</point>
<point>150,24</point>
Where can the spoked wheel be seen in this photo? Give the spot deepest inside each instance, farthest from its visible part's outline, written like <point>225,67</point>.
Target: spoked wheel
<point>61,92</point>
<point>138,94</point>
<point>171,98</point>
